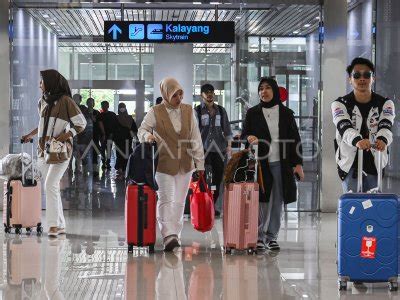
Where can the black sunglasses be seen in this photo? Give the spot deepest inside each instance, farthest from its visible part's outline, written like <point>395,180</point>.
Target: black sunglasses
<point>358,75</point>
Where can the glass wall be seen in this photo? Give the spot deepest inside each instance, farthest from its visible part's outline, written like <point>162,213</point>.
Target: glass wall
<point>388,70</point>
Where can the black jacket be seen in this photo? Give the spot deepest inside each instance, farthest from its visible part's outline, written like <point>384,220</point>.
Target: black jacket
<point>290,148</point>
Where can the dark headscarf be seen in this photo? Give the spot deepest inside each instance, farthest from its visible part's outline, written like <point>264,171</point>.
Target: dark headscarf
<point>275,89</point>
<point>124,119</point>
<point>55,86</point>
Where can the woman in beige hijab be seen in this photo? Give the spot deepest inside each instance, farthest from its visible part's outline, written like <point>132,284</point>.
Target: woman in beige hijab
<point>174,127</point>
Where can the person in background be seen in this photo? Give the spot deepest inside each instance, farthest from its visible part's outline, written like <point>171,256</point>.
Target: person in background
<point>158,100</point>
<point>216,135</point>
<point>61,118</point>
<point>123,138</point>
<point>83,141</point>
<point>108,123</point>
<point>273,127</point>
<point>173,126</point>
<point>94,114</point>
<point>363,120</point>
<point>76,156</point>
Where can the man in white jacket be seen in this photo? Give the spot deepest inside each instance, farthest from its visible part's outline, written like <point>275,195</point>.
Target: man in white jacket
<point>363,120</point>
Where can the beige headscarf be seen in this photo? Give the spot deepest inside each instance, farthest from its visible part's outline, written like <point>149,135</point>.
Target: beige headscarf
<point>168,87</point>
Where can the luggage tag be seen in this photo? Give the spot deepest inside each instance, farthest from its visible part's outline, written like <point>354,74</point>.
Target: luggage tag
<point>368,247</point>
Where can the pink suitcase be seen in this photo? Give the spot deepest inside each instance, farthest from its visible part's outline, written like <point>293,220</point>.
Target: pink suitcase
<point>22,203</point>
<point>240,218</point>
<point>23,260</point>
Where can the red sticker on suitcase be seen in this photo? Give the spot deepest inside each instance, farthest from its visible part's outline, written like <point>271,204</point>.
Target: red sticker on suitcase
<point>368,247</point>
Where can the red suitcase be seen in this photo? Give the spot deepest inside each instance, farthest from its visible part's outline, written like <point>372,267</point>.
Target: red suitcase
<point>140,215</point>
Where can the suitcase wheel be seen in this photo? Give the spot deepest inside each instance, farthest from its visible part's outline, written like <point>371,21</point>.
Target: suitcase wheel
<point>28,230</point>
<point>18,230</point>
<point>151,249</point>
<point>251,251</point>
<point>7,229</point>
<point>342,285</point>
<point>228,250</point>
<point>130,248</point>
<point>39,230</point>
<point>393,286</point>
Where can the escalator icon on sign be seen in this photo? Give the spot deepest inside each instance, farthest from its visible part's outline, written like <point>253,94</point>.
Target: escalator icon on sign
<point>155,31</point>
<point>136,32</point>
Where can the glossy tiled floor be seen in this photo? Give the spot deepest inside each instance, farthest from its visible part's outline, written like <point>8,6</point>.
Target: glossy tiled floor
<point>91,261</point>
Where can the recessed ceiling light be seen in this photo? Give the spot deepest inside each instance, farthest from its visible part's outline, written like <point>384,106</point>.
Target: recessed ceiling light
<point>317,18</point>
<point>45,15</point>
<point>296,32</point>
<point>307,25</point>
<point>215,3</point>
<point>197,3</point>
<point>52,23</point>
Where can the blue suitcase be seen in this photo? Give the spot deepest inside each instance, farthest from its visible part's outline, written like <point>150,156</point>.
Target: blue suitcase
<point>367,236</point>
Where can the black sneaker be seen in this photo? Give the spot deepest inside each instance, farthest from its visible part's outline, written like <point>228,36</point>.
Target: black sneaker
<point>217,213</point>
<point>170,243</point>
<point>260,246</point>
<point>273,246</point>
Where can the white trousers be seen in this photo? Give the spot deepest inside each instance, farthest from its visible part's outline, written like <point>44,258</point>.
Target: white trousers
<point>51,176</point>
<point>172,191</point>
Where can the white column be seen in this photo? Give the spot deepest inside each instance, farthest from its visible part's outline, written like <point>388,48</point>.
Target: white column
<point>4,80</point>
<point>334,62</point>
<point>174,60</point>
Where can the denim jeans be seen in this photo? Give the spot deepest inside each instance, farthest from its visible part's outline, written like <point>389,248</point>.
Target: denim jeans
<point>350,183</point>
<point>270,214</point>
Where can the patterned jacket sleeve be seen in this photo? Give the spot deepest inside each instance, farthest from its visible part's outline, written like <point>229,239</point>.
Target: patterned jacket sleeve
<point>385,124</point>
<point>343,124</point>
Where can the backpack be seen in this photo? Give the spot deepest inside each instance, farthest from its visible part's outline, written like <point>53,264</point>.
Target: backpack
<point>139,169</point>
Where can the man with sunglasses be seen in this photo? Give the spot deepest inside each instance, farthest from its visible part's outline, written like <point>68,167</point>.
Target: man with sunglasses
<point>363,120</point>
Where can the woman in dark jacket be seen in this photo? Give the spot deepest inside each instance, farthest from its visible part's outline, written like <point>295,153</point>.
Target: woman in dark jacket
<point>124,135</point>
<point>272,126</point>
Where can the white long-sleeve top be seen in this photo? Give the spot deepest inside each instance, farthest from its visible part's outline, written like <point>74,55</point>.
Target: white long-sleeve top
<point>149,124</point>
<point>271,115</point>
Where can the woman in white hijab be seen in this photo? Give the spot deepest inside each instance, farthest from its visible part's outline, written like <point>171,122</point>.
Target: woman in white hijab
<point>174,127</point>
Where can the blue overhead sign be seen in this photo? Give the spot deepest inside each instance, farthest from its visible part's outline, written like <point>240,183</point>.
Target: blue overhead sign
<point>169,32</point>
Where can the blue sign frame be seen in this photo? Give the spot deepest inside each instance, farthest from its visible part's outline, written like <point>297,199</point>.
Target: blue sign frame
<point>169,32</point>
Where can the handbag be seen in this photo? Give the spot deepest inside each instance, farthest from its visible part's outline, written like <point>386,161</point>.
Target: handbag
<point>55,152</point>
<point>202,207</point>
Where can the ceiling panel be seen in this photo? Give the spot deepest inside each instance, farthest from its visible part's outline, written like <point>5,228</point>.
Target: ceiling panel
<point>282,20</point>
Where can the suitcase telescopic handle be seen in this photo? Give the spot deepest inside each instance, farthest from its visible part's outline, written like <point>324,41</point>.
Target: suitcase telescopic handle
<point>153,146</point>
<point>22,161</point>
<point>255,148</point>
<point>360,170</point>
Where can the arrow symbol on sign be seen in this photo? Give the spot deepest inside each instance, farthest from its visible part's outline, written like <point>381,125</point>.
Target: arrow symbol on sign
<point>114,30</point>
